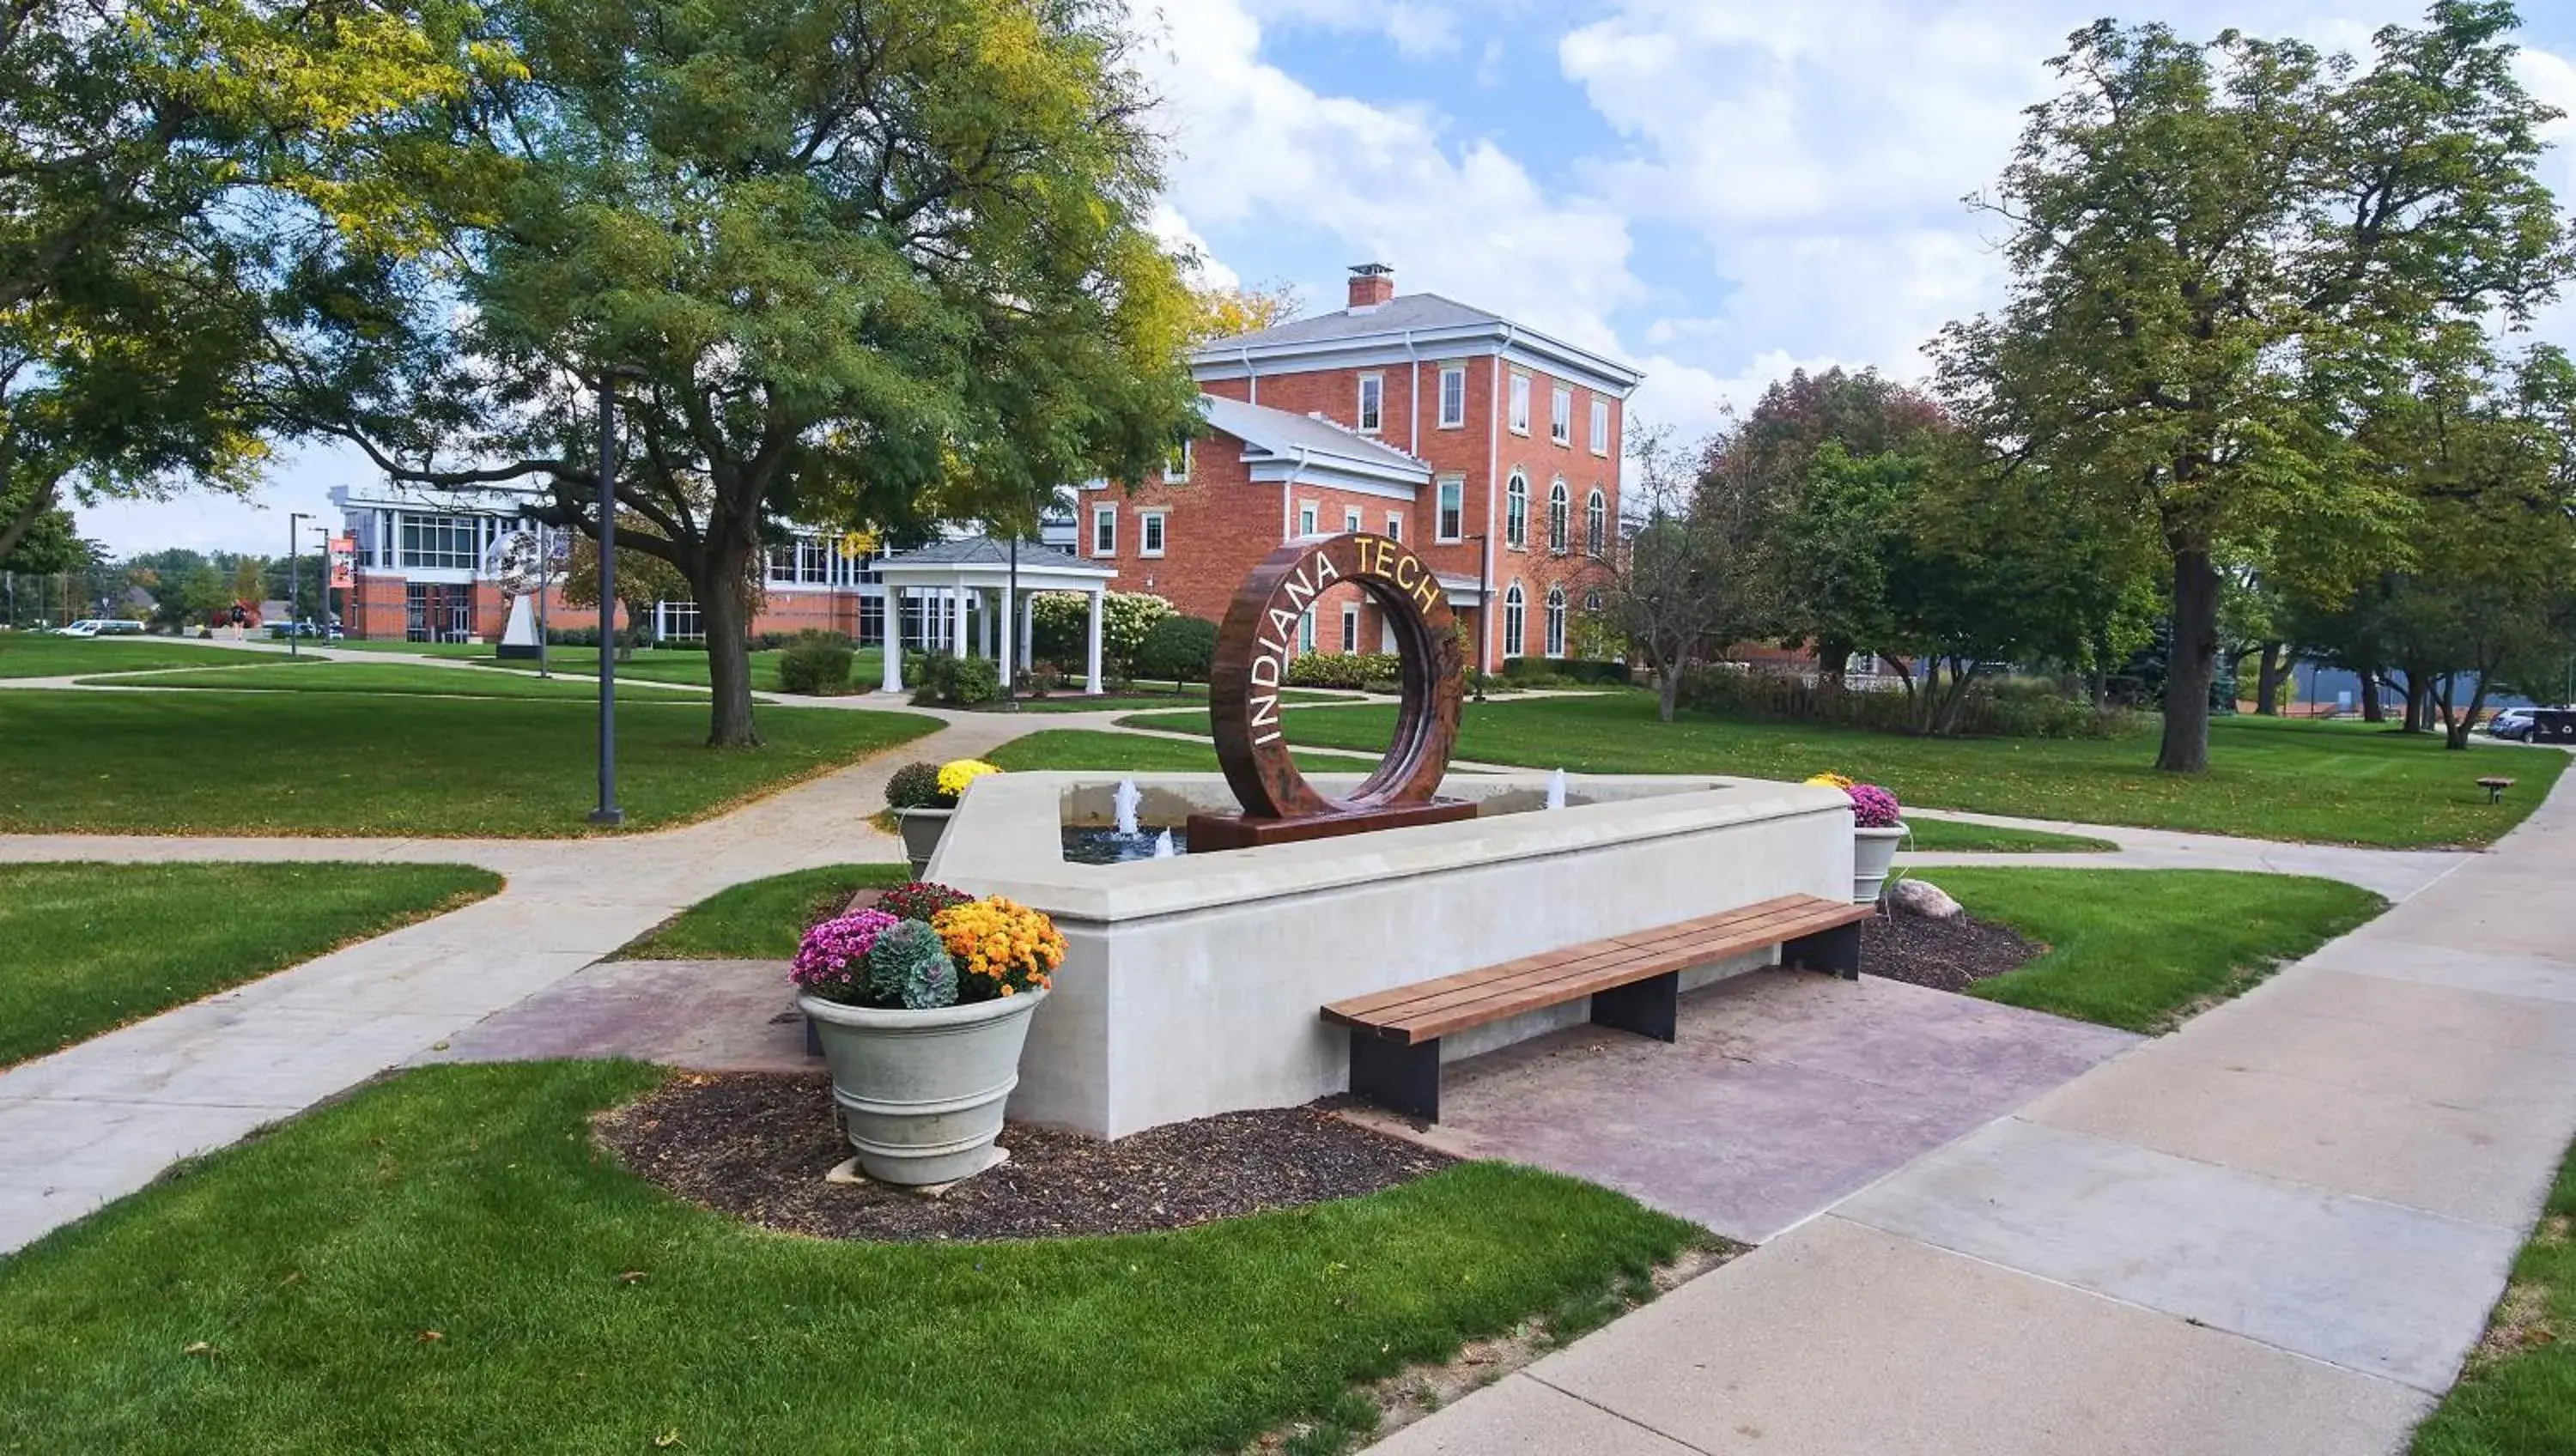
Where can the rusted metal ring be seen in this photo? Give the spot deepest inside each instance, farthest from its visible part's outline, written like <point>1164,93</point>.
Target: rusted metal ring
<point>1258,639</point>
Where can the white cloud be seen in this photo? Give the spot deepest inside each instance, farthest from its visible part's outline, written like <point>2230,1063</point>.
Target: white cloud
<point>1177,237</point>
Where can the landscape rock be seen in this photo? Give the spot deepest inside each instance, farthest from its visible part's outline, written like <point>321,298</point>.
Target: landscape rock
<point>1922,898</point>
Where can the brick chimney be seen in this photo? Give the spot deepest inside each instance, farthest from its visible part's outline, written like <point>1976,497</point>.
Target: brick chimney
<point>1371,285</point>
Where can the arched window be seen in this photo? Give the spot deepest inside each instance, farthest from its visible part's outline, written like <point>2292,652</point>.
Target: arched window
<point>1515,609</point>
<point>1556,621</point>
<point>1592,600</point>
<point>1516,511</point>
<point>1556,527</point>
<point>1596,523</point>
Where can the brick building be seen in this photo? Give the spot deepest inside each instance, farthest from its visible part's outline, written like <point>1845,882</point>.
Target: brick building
<point>1490,448</point>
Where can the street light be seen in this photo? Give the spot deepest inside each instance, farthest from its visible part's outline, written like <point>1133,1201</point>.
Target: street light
<point>294,576</point>
<point>608,813</point>
<point>1484,608</point>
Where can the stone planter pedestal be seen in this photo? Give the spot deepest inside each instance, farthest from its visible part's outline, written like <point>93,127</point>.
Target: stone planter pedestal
<point>921,830</point>
<point>1873,850</point>
<point>922,1091</point>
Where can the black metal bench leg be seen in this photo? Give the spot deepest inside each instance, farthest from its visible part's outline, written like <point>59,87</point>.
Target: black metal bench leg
<point>1836,950</point>
<point>1399,1076</point>
<point>1651,1007</point>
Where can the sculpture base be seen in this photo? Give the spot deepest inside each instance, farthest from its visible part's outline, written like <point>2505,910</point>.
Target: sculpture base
<point>1211,832</point>
<point>518,652</point>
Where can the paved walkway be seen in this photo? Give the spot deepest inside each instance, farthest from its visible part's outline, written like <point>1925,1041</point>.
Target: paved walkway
<point>2277,1230</point>
<point>2393,873</point>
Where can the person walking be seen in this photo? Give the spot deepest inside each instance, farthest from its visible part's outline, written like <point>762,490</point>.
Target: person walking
<point>241,615</point>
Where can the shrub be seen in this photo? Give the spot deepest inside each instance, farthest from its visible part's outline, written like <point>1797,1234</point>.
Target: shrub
<point>1061,626</point>
<point>2000,710</point>
<point>1534,670</point>
<point>956,774</point>
<point>913,786</point>
<point>909,967</point>
<point>921,900</point>
<point>1345,669</point>
<point>956,682</point>
<point>816,664</point>
<point>1179,648</point>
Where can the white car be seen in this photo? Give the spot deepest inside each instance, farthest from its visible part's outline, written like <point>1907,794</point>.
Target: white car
<point>101,627</point>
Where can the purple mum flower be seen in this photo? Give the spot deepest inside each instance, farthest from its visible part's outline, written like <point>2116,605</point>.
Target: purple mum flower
<point>832,961</point>
<point>1874,807</point>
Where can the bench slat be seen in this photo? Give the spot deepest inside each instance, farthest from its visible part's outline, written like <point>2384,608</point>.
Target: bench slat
<point>1429,1009</point>
<point>1394,1003</point>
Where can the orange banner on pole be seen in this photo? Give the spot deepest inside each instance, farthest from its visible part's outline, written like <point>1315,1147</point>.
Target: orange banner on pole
<point>344,562</point>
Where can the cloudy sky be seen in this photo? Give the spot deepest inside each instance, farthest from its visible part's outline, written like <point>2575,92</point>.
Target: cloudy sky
<point>1716,190</point>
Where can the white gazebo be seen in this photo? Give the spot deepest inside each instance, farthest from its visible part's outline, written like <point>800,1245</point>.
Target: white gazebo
<point>979,570</point>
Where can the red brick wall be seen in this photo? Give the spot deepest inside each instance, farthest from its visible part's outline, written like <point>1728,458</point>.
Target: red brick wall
<point>1232,524</point>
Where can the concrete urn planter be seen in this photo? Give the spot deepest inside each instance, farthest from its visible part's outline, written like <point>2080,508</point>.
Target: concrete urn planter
<point>1873,850</point>
<point>922,1091</point>
<point>921,830</point>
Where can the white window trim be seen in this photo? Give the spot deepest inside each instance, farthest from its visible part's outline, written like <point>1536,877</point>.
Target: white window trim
<point>1359,408</point>
<point>1447,372</point>
<point>1560,517</point>
<point>1515,615</point>
<point>1553,631</point>
<point>1440,534</point>
<point>1596,523</point>
<point>1601,427</point>
<point>1354,519</point>
<point>1181,478</point>
<point>1150,524</point>
<point>1395,525</point>
<point>1306,633</point>
<point>1560,414</point>
<point>1310,518</point>
<point>1104,516</point>
<point>1517,403</point>
<point>1516,540</point>
<point>1350,627</point>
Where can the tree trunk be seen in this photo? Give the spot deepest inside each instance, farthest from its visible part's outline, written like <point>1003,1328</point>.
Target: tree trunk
<point>2192,664</point>
<point>727,619</point>
<point>2267,681</point>
<point>1960,678</point>
<point>2371,710</point>
<point>1668,691</point>
<point>15,530</point>
<point>1831,656</point>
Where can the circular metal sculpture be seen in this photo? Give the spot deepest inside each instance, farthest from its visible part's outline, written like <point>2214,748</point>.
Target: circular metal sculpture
<point>1258,640</point>
<point>522,565</point>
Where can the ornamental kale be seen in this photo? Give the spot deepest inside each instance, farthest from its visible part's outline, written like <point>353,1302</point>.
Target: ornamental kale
<point>909,967</point>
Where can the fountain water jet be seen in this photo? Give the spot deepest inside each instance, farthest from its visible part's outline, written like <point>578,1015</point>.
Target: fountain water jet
<point>1556,789</point>
<point>1123,801</point>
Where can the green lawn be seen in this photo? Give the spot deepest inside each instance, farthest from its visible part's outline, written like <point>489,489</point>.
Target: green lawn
<point>1098,750</point>
<point>667,665</point>
<point>36,654</point>
<point>93,946</point>
<point>404,678</point>
<point>759,920</point>
<point>1952,836</point>
<point>445,1263</point>
<point>294,763</point>
<point>1142,697</point>
<point>2518,1395</point>
<point>2143,949</point>
<point>2269,778</point>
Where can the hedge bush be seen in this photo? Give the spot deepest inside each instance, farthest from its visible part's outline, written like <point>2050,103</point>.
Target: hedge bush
<point>2006,708</point>
<point>913,786</point>
<point>956,682</point>
<point>1345,669</point>
<point>1564,669</point>
<point>816,664</point>
<point>1180,648</point>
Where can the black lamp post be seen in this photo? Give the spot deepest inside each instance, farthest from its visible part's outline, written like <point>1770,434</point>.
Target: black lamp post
<point>608,813</point>
<point>294,578</point>
<point>1484,608</point>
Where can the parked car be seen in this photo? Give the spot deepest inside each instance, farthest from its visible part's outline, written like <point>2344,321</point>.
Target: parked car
<point>2511,724</point>
<point>280,631</point>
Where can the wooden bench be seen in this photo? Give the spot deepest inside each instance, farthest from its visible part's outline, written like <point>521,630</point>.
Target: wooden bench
<point>1634,981</point>
<point>2495,789</point>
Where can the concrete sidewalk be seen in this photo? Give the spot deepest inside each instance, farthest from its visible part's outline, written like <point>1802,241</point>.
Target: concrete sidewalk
<point>2276,1231</point>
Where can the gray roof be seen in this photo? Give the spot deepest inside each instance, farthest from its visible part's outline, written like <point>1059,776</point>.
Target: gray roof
<point>1405,311</point>
<point>985,551</point>
<point>1281,433</point>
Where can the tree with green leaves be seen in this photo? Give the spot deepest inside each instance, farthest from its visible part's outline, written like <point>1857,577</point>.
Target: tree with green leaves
<point>866,265</point>
<point>164,166</point>
<point>1682,580</point>
<point>2218,249</point>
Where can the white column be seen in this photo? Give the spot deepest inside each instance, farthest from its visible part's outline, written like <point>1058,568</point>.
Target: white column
<point>1028,631</point>
<point>1006,660</point>
<point>957,630</point>
<point>992,645</point>
<point>892,679</point>
<point>1091,683</point>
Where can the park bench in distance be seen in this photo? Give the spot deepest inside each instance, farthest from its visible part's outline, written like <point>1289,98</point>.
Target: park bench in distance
<point>1634,981</point>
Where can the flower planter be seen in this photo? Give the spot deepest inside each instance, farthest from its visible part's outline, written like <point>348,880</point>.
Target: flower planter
<point>921,830</point>
<point>922,1091</point>
<point>1873,850</point>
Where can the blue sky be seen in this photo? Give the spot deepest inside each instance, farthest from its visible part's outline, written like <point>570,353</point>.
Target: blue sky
<point>1715,190</point>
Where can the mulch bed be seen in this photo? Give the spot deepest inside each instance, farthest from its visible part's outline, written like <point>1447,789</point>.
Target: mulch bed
<point>755,1146</point>
<point>1946,955</point>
